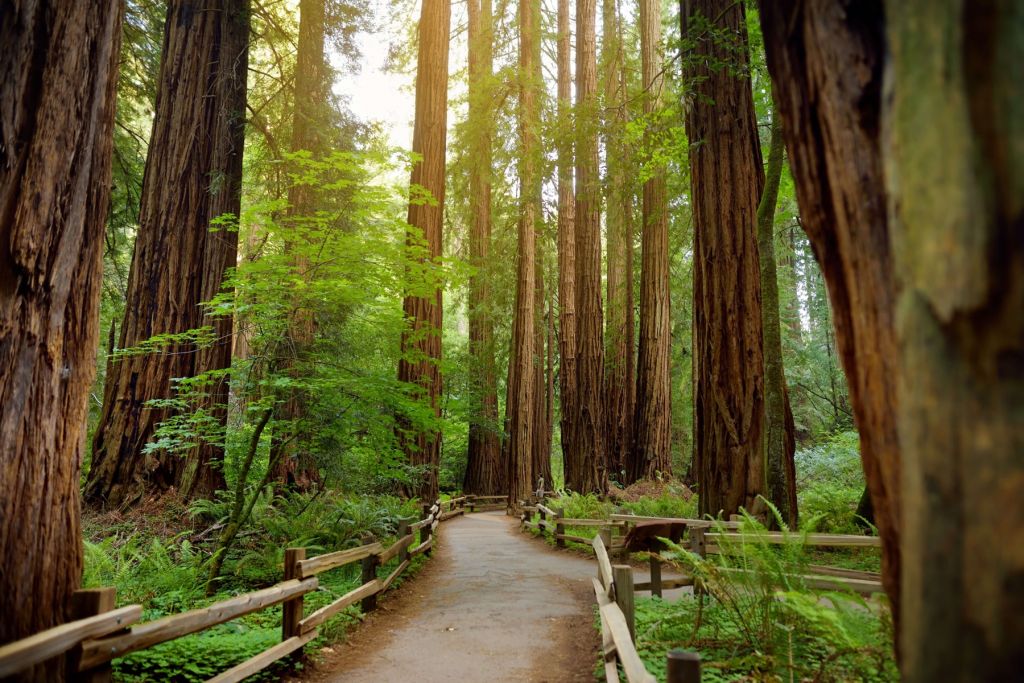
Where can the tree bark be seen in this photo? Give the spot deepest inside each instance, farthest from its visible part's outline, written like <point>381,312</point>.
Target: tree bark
<point>421,344</point>
<point>193,175</point>
<point>484,473</point>
<point>620,363</point>
<point>541,466</point>
<point>296,467</point>
<point>566,248</point>
<point>585,469</point>
<point>520,407</point>
<point>953,149</point>
<point>59,66</point>
<point>727,179</point>
<point>652,452</point>
<point>830,116</point>
<point>779,444</point>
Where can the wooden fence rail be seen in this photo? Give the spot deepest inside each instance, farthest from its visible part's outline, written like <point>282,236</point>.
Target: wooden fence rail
<point>91,643</point>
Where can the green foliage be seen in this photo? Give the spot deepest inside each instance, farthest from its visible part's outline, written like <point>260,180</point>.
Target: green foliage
<point>759,619</point>
<point>668,504</point>
<point>830,481</point>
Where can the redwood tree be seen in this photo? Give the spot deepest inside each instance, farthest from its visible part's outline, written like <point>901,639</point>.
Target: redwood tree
<point>566,247</point>
<point>484,473</point>
<point>522,385</point>
<point>620,361</point>
<point>835,156</point>
<point>727,179</point>
<point>653,429</point>
<point>59,66</point>
<point>193,175</point>
<point>585,458</point>
<point>421,343</point>
<point>954,168</point>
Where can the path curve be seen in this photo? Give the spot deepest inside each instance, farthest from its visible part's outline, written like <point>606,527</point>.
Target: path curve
<point>491,605</point>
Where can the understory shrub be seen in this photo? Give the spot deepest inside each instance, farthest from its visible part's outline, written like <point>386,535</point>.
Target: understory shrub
<point>830,481</point>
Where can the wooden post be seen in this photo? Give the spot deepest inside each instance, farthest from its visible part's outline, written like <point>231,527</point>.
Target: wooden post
<point>697,541</point>
<point>472,502</point>
<point>370,565</point>
<point>683,667</point>
<point>425,530</point>
<point>291,610</point>
<point>87,603</point>
<point>606,536</point>
<point>656,574</point>
<point>622,577</point>
<point>541,517</point>
<point>559,527</point>
<point>403,531</point>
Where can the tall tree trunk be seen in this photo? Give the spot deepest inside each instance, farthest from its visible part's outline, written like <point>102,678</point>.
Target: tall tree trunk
<point>727,179</point>
<point>484,473</point>
<point>834,153</point>
<point>421,345</point>
<point>653,430</point>
<point>779,445</point>
<point>522,386</point>
<point>541,426</point>
<point>954,168</point>
<point>193,175</point>
<point>295,466</point>
<point>619,366</point>
<point>585,460</point>
<point>566,248</point>
<point>59,66</point>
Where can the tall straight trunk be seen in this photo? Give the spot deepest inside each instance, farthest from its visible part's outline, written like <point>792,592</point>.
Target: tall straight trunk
<point>779,444</point>
<point>295,466</point>
<point>541,426</point>
<point>835,156</point>
<point>484,473</point>
<point>59,63</point>
<point>520,407</point>
<point>954,168</point>
<point>585,460</point>
<point>619,366</point>
<point>727,179</point>
<point>421,344</point>
<point>193,175</point>
<point>566,247</point>
<point>653,430</point>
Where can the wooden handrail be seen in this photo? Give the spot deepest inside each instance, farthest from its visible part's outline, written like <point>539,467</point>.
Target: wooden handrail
<point>396,548</point>
<point>26,653</point>
<point>779,538</point>
<point>151,633</point>
<point>323,563</point>
<point>327,611</point>
<point>263,659</point>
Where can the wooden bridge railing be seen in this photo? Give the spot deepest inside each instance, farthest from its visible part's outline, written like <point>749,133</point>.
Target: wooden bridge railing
<point>92,642</point>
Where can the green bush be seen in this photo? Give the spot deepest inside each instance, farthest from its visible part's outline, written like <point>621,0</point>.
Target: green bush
<point>830,481</point>
<point>668,504</point>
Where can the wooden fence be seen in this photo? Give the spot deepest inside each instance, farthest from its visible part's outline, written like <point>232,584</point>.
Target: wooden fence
<point>102,633</point>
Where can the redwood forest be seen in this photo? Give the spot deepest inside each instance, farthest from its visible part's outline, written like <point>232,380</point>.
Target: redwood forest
<point>349,340</point>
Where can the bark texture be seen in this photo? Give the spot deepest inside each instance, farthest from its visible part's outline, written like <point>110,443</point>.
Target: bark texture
<point>954,168</point>
<point>522,386</point>
<point>484,473</point>
<point>566,247</point>
<point>294,465</point>
<point>585,460</point>
<point>620,363</point>
<point>727,179</point>
<point>421,344</point>
<point>779,444</point>
<point>652,439</point>
<point>58,70</point>
<point>193,175</point>
<point>541,467</point>
<point>825,58</point>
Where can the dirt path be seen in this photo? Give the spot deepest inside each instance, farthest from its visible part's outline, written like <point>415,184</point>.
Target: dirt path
<point>492,605</point>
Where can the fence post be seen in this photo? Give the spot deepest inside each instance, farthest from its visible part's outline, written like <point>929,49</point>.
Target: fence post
<point>559,527</point>
<point>87,603</point>
<point>606,536</point>
<point>403,531</point>
<point>369,565</point>
<point>656,574</point>
<point>471,499</point>
<point>622,577</point>
<point>425,530</point>
<point>697,541</point>
<point>291,610</point>
<point>683,667</point>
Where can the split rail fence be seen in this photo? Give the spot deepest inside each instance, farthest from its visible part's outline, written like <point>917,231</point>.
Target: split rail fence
<point>102,633</point>
<point>615,588</point>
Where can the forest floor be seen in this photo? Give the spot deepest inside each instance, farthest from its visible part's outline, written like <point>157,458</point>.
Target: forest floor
<point>491,605</point>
